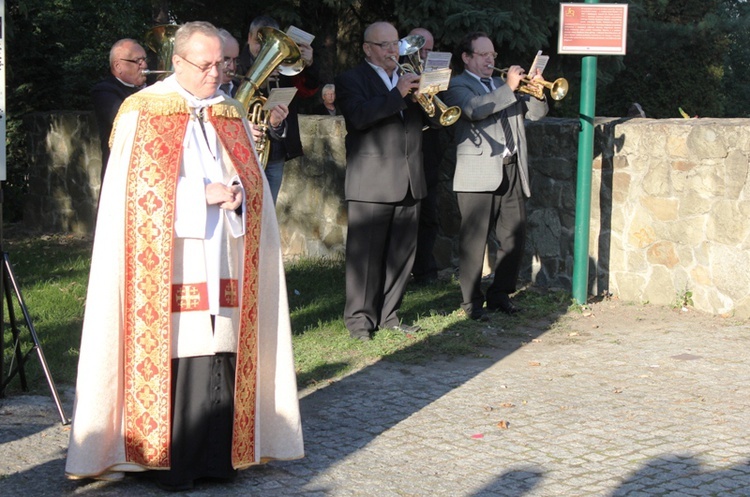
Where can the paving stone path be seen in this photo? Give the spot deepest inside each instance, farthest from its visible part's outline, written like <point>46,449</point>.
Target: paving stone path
<point>623,401</point>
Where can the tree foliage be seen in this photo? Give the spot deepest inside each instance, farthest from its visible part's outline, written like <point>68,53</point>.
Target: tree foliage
<point>693,54</point>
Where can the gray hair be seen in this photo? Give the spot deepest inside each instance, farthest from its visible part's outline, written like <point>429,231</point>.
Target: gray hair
<point>114,51</point>
<point>327,88</point>
<point>226,36</point>
<point>187,30</point>
<point>261,22</point>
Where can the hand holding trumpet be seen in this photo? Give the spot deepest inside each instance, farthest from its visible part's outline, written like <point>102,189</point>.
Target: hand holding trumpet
<point>407,83</point>
<point>533,85</point>
<point>514,76</point>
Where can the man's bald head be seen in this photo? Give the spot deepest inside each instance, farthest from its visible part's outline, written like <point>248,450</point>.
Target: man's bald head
<point>429,41</point>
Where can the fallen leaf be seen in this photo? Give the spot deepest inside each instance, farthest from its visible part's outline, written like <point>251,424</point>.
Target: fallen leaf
<point>536,340</point>
<point>617,390</point>
<point>503,425</point>
<point>534,363</point>
<point>573,334</point>
<point>507,404</point>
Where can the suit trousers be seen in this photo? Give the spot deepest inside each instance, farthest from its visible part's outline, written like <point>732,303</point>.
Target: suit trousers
<point>503,210</point>
<point>380,246</point>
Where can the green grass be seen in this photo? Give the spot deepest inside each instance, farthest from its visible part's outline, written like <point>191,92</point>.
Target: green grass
<point>52,272</point>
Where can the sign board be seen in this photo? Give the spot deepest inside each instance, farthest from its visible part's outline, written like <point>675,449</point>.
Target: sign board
<point>593,29</point>
<point>3,175</point>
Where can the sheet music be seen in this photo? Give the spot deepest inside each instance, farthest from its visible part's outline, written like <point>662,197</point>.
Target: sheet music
<point>437,60</point>
<point>431,82</point>
<point>299,36</point>
<point>279,96</point>
<point>540,62</point>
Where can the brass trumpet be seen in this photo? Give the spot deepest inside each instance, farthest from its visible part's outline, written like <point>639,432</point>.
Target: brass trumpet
<point>557,89</point>
<point>409,47</point>
<point>146,72</point>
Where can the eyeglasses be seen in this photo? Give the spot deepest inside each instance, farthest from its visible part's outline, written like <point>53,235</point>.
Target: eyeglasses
<point>385,45</point>
<point>206,69</point>
<point>486,54</point>
<point>138,61</point>
<point>231,60</point>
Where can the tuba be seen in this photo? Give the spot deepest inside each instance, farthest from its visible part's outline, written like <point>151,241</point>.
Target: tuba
<point>160,39</point>
<point>409,47</point>
<point>277,50</point>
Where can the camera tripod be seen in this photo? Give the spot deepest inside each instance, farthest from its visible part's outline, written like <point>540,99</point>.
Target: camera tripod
<point>17,356</point>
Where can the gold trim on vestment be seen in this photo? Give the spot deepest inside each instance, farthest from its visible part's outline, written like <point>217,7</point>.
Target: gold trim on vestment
<point>149,243</point>
<point>236,142</point>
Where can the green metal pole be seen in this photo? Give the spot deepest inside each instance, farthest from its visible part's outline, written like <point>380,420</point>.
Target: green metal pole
<point>583,180</point>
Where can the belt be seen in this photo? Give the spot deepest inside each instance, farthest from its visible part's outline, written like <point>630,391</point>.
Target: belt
<point>511,159</point>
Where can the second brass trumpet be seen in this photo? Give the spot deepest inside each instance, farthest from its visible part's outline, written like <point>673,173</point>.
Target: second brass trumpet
<point>557,89</point>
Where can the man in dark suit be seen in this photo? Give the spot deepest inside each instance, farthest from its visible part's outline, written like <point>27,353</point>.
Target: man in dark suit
<point>384,183</point>
<point>425,269</point>
<point>492,175</point>
<point>127,61</point>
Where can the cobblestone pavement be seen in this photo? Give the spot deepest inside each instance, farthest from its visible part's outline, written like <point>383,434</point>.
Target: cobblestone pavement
<point>653,403</point>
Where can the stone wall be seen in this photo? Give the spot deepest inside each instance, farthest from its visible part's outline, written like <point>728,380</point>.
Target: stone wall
<point>65,163</point>
<point>670,202</point>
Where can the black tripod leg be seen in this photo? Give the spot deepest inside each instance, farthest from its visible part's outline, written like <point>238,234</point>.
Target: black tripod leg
<point>35,338</point>
<point>16,334</point>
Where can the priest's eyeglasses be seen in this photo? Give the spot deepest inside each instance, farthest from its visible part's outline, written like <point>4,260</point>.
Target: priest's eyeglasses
<point>207,68</point>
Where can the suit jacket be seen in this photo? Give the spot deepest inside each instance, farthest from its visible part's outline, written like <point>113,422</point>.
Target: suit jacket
<point>107,96</point>
<point>383,149</point>
<point>480,141</point>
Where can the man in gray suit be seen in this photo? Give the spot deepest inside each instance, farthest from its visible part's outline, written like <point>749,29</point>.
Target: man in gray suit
<point>492,176</point>
<point>384,183</point>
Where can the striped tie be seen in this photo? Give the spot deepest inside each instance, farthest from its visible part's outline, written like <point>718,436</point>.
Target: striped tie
<point>509,142</point>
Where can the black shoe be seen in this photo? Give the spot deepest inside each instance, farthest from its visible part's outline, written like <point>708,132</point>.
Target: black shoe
<point>503,304</point>
<point>405,328</point>
<point>175,487</point>
<point>363,335</point>
<point>426,279</point>
<point>479,315</point>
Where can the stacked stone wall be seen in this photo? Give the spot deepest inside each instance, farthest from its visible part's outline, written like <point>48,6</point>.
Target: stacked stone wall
<point>670,202</point>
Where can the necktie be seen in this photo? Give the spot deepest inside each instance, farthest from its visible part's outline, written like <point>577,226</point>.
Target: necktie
<point>225,88</point>
<point>504,122</point>
<point>509,142</point>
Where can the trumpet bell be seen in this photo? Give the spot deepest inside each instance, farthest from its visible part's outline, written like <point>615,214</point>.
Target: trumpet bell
<point>448,115</point>
<point>558,88</point>
<point>292,69</point>
<point>410,45</point>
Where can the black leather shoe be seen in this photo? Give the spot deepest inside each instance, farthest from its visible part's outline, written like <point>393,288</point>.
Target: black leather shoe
<point>504,304</point>
<point>406,328</point>
<point>363,335</point>
<point>479,315</point>
<point>175,487</point>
